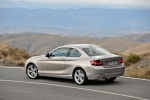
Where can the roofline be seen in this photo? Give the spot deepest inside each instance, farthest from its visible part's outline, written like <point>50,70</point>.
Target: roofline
<point>79,45</point>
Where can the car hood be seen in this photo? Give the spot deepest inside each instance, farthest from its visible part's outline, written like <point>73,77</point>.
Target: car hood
<point>37,57</point>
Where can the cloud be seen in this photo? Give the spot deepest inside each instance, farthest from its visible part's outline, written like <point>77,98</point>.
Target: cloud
<point>89,3</point>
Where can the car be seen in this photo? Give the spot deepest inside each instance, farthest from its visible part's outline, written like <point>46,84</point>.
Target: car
<point>80,62</point>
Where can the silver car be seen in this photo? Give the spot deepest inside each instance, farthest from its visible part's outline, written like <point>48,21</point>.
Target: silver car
<point>81,62</point>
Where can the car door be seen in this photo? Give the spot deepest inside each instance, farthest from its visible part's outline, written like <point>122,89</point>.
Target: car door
<point>72,59</point>
<point>55,63</point>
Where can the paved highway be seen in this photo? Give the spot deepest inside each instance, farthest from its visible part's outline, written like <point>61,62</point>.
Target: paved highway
<point>15,85</point>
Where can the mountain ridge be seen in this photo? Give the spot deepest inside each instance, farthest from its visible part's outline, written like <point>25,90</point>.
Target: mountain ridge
<point>43,43</point>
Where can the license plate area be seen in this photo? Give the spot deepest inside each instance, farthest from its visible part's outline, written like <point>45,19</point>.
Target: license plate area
<point>111,63</point>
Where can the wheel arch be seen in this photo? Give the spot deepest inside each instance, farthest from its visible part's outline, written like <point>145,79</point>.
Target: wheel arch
<point>29,64</point>
<point>78,67</point>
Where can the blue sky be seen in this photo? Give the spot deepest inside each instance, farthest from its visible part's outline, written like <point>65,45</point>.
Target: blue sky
<point>137,4</point>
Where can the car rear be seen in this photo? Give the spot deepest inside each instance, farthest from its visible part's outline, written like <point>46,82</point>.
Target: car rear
<point>106,67</point>
<point>103,64</point>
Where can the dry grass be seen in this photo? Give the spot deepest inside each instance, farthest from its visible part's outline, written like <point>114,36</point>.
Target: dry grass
<point>145,54</point>
<point>131,59</point>
<point>138,72</point>
<point>12,56</point>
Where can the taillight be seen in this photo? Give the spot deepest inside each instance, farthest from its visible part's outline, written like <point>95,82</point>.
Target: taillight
<point>121,61</point>
<point>97,63</point>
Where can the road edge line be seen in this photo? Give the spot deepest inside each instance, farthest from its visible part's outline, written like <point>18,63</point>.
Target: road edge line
<point>11,67</point>
<point>135,78</point>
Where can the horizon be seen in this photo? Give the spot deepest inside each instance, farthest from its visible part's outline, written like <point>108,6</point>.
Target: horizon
<point>64,4</point>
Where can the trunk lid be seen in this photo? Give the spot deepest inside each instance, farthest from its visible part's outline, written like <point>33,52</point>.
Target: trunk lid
<point>109,60</point>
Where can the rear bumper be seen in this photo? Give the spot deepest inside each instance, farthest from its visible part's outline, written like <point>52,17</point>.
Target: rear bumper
<point>99,72</point>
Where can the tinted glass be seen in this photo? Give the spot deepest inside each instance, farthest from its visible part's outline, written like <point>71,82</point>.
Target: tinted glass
<point>60,52</point>
<point>96,51</point>
<point>74,53</point>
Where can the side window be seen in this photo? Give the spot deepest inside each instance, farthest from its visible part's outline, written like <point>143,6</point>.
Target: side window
<point>60,52</point>
<point>73,53</point>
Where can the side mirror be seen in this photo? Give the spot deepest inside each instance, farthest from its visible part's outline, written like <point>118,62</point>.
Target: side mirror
<point>47,55</point>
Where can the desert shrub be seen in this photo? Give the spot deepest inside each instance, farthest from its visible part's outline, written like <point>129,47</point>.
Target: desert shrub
<point>11,51</point>
<point>1,56</point>
<point>132,58</point>
<point>4,53</point>
<point>24,54</point>
<point>8,62</point>
<point>21,63</point>
<point>13,56</point>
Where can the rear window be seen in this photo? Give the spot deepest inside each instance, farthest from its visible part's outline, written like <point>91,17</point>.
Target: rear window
<point>96,51</point>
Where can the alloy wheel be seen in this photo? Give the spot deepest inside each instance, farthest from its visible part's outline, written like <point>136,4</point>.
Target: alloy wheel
<point>32,71</point>
<point>80,77</point>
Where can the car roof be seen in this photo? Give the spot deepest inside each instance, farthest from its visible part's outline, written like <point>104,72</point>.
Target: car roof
<point>79,45</point>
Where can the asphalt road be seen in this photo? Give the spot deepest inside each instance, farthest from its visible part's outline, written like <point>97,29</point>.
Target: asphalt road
<point>15,85</point>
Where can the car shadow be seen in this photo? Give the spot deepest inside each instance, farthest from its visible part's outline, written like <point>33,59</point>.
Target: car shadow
<point>55,79</point>
<point>89,83</point>
<point>102,82</point>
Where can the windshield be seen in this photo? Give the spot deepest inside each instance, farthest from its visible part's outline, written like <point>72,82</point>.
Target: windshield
<point>96,51</point>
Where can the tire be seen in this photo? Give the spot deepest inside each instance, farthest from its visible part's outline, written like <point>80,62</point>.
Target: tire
<point>80,77</point>
<point>110,79</point>
<point>32,71</point>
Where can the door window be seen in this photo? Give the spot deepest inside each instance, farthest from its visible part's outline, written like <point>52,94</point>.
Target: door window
<point>60,52</point>
<point>73,53</point>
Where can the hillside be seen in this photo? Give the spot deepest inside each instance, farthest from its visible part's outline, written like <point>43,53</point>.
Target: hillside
<point>137,37</point>
<point>142,49</point>
<point>11,56</point>
<point>139,69</point>
<point>43,43</point>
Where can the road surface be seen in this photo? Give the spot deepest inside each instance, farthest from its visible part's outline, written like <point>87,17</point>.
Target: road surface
<point>15,85</point>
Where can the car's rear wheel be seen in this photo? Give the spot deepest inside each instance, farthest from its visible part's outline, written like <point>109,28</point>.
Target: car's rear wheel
<point>110,79</point>
<point>32,71</point>
<point>79,76</point>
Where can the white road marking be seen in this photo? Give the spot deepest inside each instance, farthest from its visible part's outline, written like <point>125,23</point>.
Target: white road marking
<point>11,67</point>
<point>120,76</point>
<point>85,89</point>
<point>135,78</point>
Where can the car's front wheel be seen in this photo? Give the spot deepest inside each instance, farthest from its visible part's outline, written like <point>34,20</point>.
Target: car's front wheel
<point>32,71</point>
<point>110,79</point>
<point>79,76</point>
